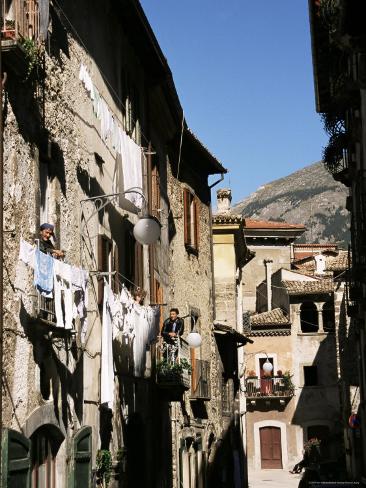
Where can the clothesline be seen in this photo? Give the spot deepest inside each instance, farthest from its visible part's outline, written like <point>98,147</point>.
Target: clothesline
<point>112,131</point>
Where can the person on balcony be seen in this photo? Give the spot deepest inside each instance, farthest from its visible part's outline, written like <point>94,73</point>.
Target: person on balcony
<point>45,244</point>
<point>173,327</point>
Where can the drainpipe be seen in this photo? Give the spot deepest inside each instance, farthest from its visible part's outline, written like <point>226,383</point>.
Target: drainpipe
<point>268,264</point>
<point>1,249</point>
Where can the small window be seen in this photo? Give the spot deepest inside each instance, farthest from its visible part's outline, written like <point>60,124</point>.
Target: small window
<point>191,219</point>
<point>309,317</point>
<point>310,375</point>
<point>328,317</point>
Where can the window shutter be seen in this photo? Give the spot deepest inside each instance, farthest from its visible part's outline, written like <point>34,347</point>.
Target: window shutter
<point>16,459</point>
<point>81,459</point>
<point>101,261</point>
<point>138,277</point>
<point>116,280</point>
<point>186,205</point>
<point>196,217</point>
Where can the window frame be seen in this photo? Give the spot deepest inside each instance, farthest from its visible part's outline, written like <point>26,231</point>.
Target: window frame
<point>191,221</point>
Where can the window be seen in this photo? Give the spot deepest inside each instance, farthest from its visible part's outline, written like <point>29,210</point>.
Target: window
<point>44,451</point>
<point>328,316</point>
<point>227,396</point>
<point>108,261</point>
<point>310,375</point>
<point>191,219</point>
<point>309,317</point>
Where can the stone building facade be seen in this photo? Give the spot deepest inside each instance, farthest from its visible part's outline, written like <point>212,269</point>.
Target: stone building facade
<point>300,396</point>
<point>89,73</point>
<point>338,49</point>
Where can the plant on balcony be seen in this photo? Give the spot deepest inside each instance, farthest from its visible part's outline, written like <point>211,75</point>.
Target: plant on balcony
<point>33,55</point>
<point>252,375</point>
<point>279,373</point>
<point>104,467</point>
<point>287,381</point>
<point>168,368</point>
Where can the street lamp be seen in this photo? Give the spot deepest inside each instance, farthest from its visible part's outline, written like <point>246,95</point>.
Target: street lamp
<point>267,366</point>
<point>194,338</point>
<point>147,228</point>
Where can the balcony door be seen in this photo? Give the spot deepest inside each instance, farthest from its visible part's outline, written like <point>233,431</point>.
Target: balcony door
<point>271,452</point>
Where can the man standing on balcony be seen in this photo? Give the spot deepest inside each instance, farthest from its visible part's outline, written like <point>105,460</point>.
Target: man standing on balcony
<point>45,244</point>
<point>173,327</point>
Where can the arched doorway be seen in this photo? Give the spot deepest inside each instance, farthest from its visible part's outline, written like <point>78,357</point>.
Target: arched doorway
<point>46,441</point>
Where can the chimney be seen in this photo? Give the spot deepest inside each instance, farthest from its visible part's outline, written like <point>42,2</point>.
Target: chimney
<point>268,264</point>
<point>223,200</point>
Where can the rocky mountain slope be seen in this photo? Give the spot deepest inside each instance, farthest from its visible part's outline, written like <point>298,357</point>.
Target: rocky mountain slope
<point>309,196</point>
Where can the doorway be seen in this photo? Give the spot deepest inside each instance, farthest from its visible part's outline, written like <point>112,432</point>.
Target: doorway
<point>271,451</point>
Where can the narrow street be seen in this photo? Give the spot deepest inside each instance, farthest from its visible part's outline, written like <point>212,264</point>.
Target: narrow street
<point>273,478</point>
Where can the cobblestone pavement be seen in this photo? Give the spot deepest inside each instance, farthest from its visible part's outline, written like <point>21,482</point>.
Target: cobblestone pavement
<point>273,478</point>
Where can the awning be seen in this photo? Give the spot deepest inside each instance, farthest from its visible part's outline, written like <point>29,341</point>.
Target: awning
<point>241,339</point>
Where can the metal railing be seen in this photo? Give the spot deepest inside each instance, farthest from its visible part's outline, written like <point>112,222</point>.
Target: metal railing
<point>201,380</point>
<point>173,363</point>
<point>46,309</point>
<point>20,20</point>
<point>268,387</point>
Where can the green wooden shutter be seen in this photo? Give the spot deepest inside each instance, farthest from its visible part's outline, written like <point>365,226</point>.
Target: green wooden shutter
<point>81,463</point>
<point>16,460</point>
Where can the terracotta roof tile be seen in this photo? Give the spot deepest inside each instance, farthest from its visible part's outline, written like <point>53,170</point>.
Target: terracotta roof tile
<point>273,317</point>
<point>265,224</point>
<point>337,263</point>
<point>308,287</point>
<point>227,218</point>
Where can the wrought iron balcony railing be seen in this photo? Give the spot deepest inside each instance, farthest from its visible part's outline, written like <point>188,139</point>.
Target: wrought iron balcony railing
<point>268,387</point>
<point>46,310</point>
<point>173,367</point>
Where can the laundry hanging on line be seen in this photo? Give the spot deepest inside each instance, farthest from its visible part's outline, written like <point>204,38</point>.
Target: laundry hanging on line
<point>113,132</point>
<point>65,283</point>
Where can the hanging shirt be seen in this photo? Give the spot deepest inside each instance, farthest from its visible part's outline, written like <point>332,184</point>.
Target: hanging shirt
<point>43,273</point>
<point>27,253</point>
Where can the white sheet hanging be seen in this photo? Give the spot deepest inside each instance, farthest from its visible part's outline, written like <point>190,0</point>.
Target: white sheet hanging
<point>27,253</point>
<point>107,372</point>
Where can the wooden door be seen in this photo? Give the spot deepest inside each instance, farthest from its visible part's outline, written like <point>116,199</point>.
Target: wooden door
<point>270,439</point>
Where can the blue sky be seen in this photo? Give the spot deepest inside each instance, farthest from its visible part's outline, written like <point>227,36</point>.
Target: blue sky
<point>243,73</point>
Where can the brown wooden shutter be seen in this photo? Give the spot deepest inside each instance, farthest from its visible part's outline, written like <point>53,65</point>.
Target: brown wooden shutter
<point>194,372</point>
<point>138,277</point>
<point>186,208</point>
<point>196,217</point>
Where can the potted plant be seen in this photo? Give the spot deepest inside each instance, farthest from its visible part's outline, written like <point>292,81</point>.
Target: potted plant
<point>288,386</point>
<point>174,373</point>
<point>104,467</point>
<point>8,31</point>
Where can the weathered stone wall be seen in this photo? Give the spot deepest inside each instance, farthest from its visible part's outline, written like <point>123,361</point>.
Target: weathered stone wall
<point>191,288</point>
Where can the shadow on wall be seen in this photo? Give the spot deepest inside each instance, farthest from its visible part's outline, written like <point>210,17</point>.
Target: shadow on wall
<point>227,466</point>
<point>349,374</point>
<point>318,409</point>
<point>55,377</point>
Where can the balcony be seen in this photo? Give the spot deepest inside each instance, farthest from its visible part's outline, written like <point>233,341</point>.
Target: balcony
<point>173,368</point>
<point>275,388</point>
<point>201,380</point>
<point>20,24</point>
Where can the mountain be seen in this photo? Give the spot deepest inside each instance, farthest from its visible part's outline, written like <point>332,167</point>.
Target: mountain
<point>309,196</point>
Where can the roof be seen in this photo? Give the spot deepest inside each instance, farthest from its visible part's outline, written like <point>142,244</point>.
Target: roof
<point>234,334</point>
<point>307,246</point>
<point>273,317</point>
<point>266,224</point>
<point>308,287</point>
<point>215,165</point>
<point>337,263</point>
<point>227,218</point>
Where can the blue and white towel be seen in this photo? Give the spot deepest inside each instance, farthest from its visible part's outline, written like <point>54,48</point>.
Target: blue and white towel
<point>43,273</point>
